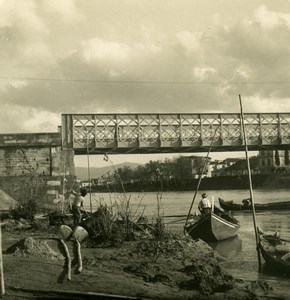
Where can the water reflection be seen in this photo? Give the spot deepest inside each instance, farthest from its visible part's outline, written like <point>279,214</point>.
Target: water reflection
<point>267,222</point>
<point>228,248</point>
<point>270,272</point>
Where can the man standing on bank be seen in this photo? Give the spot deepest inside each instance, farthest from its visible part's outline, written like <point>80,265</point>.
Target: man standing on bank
<point>77,205</point>
<point>204,205</point>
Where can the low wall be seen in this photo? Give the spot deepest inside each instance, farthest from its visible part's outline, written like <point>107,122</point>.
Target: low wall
<point>45,189</point>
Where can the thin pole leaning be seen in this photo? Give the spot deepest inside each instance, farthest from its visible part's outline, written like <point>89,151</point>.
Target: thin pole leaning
<point>63,182</point>
<point>1,265</point>
<point>250,183</point>
<point>89,173</point>
<point>200,177</point>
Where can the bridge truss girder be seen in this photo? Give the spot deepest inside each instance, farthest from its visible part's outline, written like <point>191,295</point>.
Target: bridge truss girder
<point>173,133</point>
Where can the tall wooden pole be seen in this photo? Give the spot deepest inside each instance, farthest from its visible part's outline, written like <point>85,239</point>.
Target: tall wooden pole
<point>89,173</point>
<point>197,187</point>
<point>250,183</point>
<point>63,182</point>
<point>1,265</point>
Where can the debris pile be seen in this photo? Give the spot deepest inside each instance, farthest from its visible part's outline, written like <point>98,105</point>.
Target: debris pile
<point>208,278</point>
<point>15,225</point>
<point>191,265</point>
<point>30,247</point>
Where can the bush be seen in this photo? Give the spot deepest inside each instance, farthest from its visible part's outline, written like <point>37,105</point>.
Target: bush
<point>26,209</point>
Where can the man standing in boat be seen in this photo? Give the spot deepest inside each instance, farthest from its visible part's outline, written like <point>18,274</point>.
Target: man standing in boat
<point>204,205</point>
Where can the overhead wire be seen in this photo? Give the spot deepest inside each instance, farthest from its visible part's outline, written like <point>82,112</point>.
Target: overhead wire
<point>3,78</point>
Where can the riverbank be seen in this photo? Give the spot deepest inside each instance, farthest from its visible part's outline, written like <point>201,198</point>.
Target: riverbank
<point>173,268</point>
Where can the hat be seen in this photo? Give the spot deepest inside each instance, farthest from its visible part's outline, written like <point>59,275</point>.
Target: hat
<point>203,195</point>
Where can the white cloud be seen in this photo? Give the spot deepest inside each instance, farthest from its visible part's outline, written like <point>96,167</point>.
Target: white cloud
<point>18,84</point>
<point>37,51</point>
<point>65,9</point>
<point>270,19</point>
<point>258,103</point>
<point>52,39</point>
<point>42,121</point>
<point>23,16</point>
<point>27,119</point>
<point>242,72</point>
<point>96,49</point>
<point>190,40</point>
<point>204,73</point>
<point>24,38</point>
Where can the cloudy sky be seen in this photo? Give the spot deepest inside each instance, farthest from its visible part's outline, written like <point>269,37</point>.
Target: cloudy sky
<point>75,56</point>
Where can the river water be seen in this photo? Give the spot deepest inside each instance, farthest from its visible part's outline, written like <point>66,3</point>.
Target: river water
<point>239,255</point>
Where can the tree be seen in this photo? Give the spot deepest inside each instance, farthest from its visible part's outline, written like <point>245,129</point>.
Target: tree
<point>198,165</point>
<point>126,173</point>
<point>141,174</point>
<point>286,157</point>
<point>277,158</point>
<point>151,168</point>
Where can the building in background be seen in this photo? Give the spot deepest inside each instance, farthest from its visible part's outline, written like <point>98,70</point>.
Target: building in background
<point>274,161</point>
<point>266,162</point>
<point>220,167</point>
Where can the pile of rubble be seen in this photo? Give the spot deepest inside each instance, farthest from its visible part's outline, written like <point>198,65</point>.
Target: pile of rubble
<point>184,263</point>
<point>29,247</point>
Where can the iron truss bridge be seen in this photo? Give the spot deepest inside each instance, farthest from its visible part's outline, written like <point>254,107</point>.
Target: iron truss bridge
<point>173,133</point>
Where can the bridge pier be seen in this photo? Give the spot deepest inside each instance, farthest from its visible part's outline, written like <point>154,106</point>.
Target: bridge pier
<point>35,165</point>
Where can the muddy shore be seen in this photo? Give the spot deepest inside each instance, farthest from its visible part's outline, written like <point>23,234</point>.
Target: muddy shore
<point>177,268</point>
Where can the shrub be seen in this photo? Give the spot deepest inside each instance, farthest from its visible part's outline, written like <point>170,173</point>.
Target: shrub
<point>25,209</point>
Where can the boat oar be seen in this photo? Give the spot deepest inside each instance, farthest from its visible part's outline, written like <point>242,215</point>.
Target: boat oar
<point>175,216</point>
<point>175,222</point>
<point>199,180</point>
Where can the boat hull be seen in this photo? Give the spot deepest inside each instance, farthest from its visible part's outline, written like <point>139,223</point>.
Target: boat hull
<point>212,228</point>
<point>231,206</point>
<point>278,261</point>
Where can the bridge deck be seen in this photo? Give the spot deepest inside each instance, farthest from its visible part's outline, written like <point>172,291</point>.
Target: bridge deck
<point>164,133</point>
<point>44,139</point>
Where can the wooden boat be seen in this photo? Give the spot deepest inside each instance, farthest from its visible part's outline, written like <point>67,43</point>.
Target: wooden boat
<point>246,206</point>
<point>276,252</point>
<point>214,227</point>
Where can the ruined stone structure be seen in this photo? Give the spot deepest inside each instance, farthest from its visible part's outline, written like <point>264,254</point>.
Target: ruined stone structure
<point>34,165</point>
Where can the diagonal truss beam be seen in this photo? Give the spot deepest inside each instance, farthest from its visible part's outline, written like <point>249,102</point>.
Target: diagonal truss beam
<point>162,133</point>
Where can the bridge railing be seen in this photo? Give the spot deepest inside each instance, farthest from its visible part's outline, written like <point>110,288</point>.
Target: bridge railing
<point>142,133</point>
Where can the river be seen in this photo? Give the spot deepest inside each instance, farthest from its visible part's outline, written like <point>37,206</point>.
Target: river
<point>240,254</point>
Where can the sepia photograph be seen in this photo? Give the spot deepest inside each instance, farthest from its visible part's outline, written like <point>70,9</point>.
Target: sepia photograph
<point>144,149</point>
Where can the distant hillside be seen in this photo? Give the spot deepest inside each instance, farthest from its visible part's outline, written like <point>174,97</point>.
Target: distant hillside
<point>82,172</point>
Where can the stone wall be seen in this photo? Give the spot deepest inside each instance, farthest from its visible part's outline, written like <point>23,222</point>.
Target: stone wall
<point>46,190</point>
<point>34,165</point>
<point>25,161</point>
